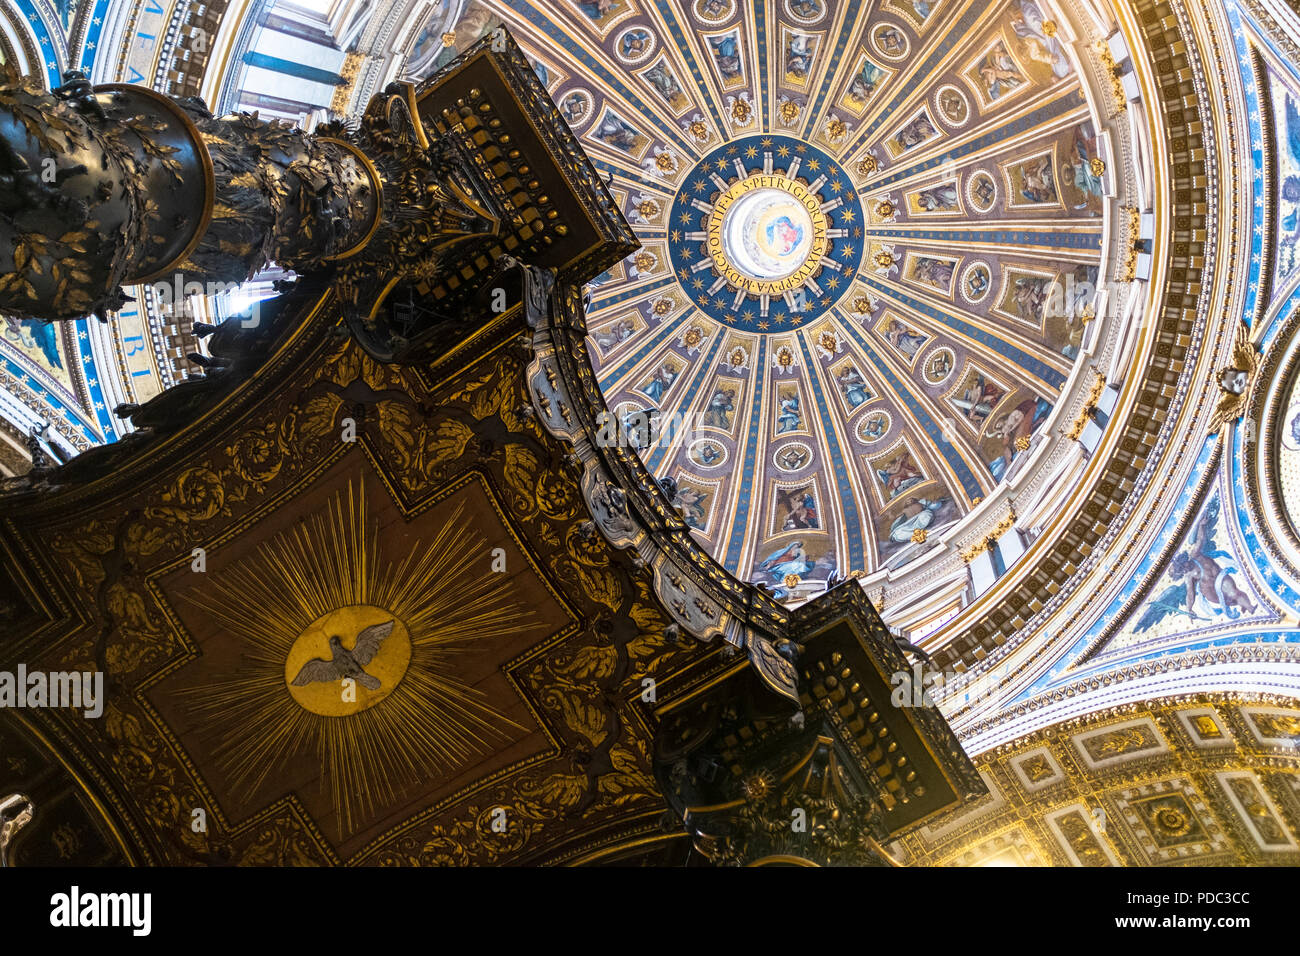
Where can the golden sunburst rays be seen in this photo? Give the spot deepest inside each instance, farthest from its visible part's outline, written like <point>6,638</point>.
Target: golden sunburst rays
<point>332,573</point>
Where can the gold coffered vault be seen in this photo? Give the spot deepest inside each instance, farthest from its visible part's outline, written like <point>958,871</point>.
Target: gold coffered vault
<point>1206,780</point>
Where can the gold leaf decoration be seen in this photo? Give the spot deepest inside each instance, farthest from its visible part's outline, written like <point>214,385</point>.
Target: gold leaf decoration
<point>559,790</point>
<point>601,586</point>
<point>256,455</point>
<point>580,716</point>
<point>197,495</point>
<point>590,662</point>
<point>447,444</point>
<point>520,474</point>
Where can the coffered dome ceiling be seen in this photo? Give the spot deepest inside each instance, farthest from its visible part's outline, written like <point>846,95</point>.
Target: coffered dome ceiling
<point>872,241</point>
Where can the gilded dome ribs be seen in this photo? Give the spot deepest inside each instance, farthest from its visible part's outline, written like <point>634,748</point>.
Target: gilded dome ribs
<point>607,72</point>
<point>926,414</point>
<point>844,19</point>
<point>944,43</point>
<point>853,530</point>
<point>1038,121</point>
<point>665,15</point>
<point>992,348</point>
<point>772,240</point>
<point>623,377</point>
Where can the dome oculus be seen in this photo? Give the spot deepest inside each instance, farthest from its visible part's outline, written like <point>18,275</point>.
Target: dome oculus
<point>766,233</point>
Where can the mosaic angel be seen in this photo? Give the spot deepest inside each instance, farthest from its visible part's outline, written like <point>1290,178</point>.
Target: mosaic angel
<point>904,339</point>
<point>615,335</point>
<point>917,515</point>
<point>799,507</point>
<point>915,133</point>
<point>38,336</point>
<point>665,84</point>
<point>940,198</point>
<point>998,72</point>
<point>790,417</point>
<point>798,55</point>
<point>1204,589</point>
<point>792,559</point>
<point>478,21</point>
<point>641,427</point>
<point>599,9</point>
<point>618,134</point>
<point>722,409</point>
<point>1029,296</point>
<point>1036,42</point>
<point>979,399</point>
<point>900,474</point>
<point>692,501</point>
<point>854,387</point>
<point>660,382</point>
<point>1013,431</point>
<point>935,272</point>
<point>67,12</point>
<point>1291,188</point>
<point>864,83</point>
<point>726,53</point>
<point>1039,185</point>
<point>1081,171</point>
<point>921,8</point>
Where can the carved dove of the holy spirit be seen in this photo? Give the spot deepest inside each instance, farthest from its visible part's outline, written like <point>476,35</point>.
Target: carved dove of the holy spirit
<point>347,663</point>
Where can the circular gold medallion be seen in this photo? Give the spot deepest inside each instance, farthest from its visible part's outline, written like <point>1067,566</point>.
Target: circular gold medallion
<point>368,645</point>
<point>1173,821</point>
<point>784,234</point>
<point>767,234</point>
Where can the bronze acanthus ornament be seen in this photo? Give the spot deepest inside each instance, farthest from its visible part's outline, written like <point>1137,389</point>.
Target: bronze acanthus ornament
<point>112,186</point>
<point>120,185</point>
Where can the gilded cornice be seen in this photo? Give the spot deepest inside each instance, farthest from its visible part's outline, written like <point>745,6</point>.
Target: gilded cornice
<point>1145,442</point>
